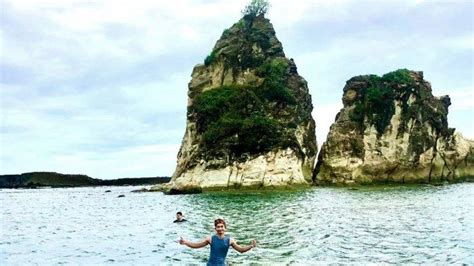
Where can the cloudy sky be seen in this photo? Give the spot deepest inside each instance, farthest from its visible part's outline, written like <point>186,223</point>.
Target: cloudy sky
<point>99,87</point>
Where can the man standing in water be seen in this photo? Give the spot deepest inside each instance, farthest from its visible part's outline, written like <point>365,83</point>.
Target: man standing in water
<point>179,218</point>
<point>219,244</point>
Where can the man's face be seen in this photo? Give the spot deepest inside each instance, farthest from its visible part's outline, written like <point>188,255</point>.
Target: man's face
<point>220,229</point>
<point>179,217</point>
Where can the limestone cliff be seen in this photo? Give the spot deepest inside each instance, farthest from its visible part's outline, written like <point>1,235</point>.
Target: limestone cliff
<point>392,129</point>
<point>249,118</point>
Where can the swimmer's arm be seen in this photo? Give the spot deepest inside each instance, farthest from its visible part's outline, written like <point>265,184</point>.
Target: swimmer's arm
<point>243,249</point>
<point>190,244</point>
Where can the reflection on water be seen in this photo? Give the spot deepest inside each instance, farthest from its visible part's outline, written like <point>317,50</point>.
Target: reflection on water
<point>396,224</point>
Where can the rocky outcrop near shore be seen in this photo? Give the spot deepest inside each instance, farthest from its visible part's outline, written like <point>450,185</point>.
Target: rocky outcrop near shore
<point>249,118</point>
<point>392,129</point>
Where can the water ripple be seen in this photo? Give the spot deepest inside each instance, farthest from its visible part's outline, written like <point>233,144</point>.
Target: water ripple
<point>389,225</point>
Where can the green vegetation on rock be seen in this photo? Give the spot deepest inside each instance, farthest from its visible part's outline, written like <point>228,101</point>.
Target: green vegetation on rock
<point>376,103</point>
<point>245,119</point>
<point>255,8</point>
<point>238,118</point>
<point>400,76</point>
<point>419,141</point>
<point>244,54</point>
<point>357,146</point>
<point>274,88</point>
<point>379,103</point>
<point>247,44</point>
<point>210,58</point>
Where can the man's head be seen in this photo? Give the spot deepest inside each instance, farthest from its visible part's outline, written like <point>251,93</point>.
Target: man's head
<point>179,216</point>
<point>220,226</point>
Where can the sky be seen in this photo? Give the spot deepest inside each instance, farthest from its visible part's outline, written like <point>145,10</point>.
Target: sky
<point>100,87</point>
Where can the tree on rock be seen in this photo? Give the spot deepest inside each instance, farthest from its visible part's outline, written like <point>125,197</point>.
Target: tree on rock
<point>256,7</point>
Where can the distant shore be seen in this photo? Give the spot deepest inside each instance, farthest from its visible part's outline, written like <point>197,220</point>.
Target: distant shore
<point>52,179</point>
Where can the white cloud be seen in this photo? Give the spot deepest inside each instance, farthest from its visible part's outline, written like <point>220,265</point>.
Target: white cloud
<point>460,42</point>
<point>325,115</point>
<point>101,87</point>
<point>141,161</point>
<point>462,99</point>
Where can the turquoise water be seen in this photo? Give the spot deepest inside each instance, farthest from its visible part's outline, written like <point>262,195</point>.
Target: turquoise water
<point>397,224</point>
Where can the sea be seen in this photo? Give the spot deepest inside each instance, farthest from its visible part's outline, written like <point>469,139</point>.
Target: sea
<point>397,224</point>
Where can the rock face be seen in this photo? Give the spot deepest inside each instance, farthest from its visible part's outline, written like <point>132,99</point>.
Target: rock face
<point>392,129</point>
<point>249,118</point>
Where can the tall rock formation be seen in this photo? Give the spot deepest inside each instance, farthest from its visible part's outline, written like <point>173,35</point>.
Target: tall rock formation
<point>392,129</point>
<point>249,118</point>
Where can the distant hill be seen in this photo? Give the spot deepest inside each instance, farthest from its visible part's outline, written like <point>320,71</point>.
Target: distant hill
<point>52,179</point>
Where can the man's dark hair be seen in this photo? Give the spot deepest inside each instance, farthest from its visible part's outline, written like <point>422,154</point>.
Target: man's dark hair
<point>180,213</point>
<point>219,221</point>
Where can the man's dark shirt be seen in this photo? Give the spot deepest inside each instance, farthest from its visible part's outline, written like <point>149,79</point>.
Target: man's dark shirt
<point>183,220</point>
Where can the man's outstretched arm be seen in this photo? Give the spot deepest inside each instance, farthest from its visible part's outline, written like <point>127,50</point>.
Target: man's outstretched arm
<point>243,249</point>
<point>190,244</point>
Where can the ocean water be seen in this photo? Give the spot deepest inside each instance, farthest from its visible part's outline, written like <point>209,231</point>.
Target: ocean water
<point>396,224</point>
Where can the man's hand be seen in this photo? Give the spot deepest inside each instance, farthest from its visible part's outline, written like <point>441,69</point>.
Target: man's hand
<point>253,243</point>
<point>181,241</point>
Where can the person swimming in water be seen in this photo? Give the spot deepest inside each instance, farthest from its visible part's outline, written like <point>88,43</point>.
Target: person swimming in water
<point>179,218</point>
<point>220,243</point>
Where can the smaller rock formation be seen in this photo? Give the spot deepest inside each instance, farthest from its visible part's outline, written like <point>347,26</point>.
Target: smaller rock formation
<point>392,129</point>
